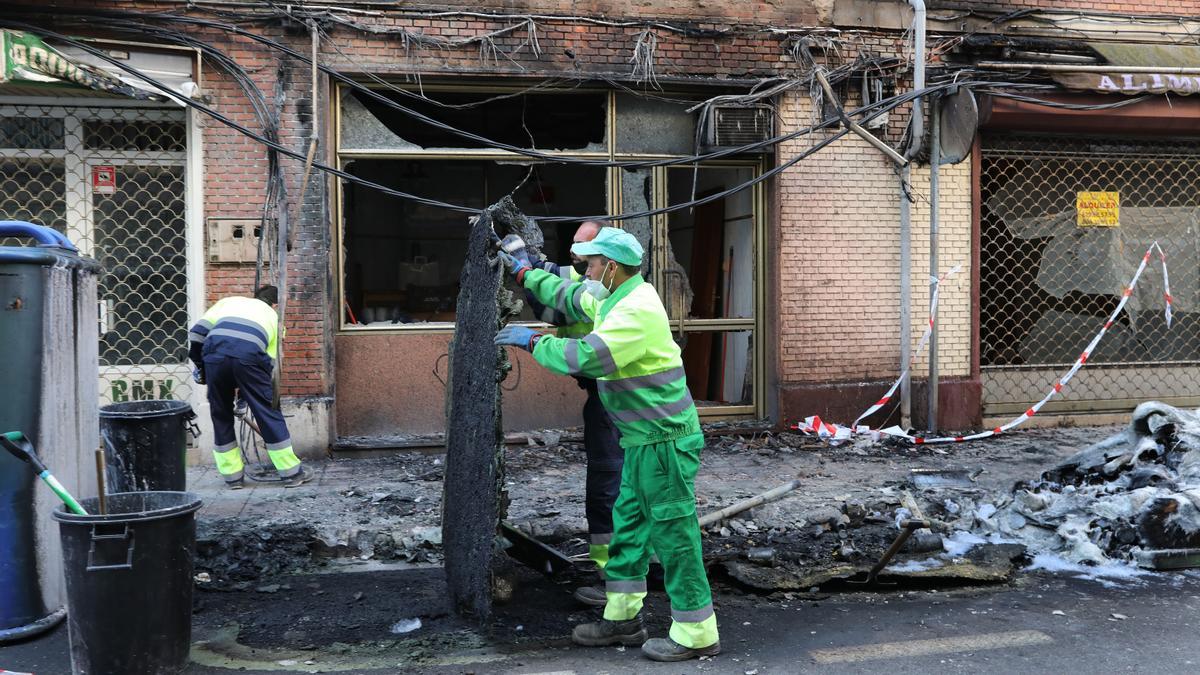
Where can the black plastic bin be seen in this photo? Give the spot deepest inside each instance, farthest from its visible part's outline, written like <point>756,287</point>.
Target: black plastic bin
<point>145,445</point>
<point>129,582</point>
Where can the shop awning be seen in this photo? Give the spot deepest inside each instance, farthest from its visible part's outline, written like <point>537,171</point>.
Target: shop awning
<point>28,63</point>
<point>1136,69</point>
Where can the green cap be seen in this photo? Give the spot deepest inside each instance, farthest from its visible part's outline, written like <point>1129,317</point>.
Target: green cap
<point>612,243</point>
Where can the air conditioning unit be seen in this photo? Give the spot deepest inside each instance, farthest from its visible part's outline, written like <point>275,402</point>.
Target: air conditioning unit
<point>729,126</point>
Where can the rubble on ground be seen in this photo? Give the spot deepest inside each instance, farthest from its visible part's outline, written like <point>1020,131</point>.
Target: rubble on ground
<point>1094,511</point>
<point>1112,502</point>
<point>835,525</point>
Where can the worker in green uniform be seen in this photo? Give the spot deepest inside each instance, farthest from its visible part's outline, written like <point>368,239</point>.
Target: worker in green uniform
<point>601,441</point>
<point>641,382</point>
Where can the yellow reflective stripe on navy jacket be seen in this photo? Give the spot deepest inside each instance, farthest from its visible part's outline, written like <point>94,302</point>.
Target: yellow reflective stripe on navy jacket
<point>244,319</point>
<point>629,352</point>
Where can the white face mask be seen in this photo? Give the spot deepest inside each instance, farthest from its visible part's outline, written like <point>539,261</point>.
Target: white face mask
<point>596,287</point>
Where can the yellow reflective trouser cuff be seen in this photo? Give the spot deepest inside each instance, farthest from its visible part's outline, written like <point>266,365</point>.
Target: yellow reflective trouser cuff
<point>285,460</point>
<point>697,635</point>
<point>599,554</point>
<point>623,606</point>
<point>229,462</point>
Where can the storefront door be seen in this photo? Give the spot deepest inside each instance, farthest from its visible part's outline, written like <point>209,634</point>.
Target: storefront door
<point>113,180</point>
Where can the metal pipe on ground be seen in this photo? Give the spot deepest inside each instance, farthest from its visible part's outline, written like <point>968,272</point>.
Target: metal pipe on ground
<point>747,504</point>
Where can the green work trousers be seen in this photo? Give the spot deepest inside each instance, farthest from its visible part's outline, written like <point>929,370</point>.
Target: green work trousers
<point>656,511</point>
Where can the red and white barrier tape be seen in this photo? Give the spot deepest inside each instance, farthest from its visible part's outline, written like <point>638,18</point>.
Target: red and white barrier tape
<point>837,433</point>
<point>814,424</point>
<point>933,303</point>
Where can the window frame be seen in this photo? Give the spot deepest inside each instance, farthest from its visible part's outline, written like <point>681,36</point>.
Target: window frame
<point>613,198</point>
<point>345,156</point>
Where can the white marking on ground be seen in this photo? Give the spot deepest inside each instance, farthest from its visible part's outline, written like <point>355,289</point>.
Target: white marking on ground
<point>911,648</point>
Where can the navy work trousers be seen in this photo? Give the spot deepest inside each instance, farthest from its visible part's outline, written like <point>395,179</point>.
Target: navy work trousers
<point>601,441</point>
<point>251,376</point>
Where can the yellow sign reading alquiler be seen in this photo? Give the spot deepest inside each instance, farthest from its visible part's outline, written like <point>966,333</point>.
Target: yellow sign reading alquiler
<point>1098,209</point>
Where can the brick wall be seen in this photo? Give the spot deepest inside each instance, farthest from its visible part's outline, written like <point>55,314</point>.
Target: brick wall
<point>235,187</point>
<point>716,12</point>
<point>566,48</point>
<point>839,255</point>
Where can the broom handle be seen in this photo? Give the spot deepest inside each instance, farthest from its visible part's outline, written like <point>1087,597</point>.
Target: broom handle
<point>102,487</point>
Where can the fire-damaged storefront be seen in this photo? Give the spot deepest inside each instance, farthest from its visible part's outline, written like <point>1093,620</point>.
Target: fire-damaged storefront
<point>112,163</point>
<point>1070,202</point>
<point>790,248</point>
<point>400,261</point>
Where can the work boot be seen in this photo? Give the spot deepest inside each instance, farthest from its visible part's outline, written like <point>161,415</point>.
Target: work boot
<point>666,649</point>
<point>593,596</point>
<point>631,632</point>
<point>236,484</point>
<point>300,478</point>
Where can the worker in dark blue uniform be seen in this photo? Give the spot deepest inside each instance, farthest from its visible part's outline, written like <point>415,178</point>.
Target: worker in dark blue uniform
<point>234,347</point>
<point>601,440</point>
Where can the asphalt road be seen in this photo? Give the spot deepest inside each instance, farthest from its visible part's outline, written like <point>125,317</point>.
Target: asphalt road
<point>1040,624</point>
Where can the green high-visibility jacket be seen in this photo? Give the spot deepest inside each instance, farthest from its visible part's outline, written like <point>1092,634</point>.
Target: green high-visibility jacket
<point>548,314</point>
<point>630,353</point>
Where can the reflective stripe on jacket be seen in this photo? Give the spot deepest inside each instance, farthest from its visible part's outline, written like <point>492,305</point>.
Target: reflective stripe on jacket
<point>247,321</point>
<point>550,315</point>
<point>579,328</point>
<point>629,352</point>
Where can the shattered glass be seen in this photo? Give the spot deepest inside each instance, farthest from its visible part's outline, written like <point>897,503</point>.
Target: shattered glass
<point>1048,284</point>
<point>362,130</point>
<point>652,127</point>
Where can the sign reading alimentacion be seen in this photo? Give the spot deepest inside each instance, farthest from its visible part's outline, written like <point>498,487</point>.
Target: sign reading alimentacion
<point>1098,209</point>
<point>1130,83</point>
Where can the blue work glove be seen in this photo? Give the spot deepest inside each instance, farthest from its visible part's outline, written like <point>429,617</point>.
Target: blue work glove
<point>515,246</point>
<point>513,265</point>
<point>198,376</point>
<point>517,336</point>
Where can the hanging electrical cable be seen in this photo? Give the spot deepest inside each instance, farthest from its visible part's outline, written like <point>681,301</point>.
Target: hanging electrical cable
<point>268,122</point>
<point>398,193</point>
<point>486,142</point>
<point>870,110</point>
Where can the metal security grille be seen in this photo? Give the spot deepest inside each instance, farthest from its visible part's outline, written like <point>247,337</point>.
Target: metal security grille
<point>1050,278</point>
<point>112,179</point>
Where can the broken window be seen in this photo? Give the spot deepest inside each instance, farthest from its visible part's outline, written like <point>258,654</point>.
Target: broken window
<point>714,242</point>
<point>654,127</point>
<point>1051,275</point>
<point>403,259</point>
<point>637,195</point>
<point>719,367</point>
<point>1049,281</point>
<point>567,122</point>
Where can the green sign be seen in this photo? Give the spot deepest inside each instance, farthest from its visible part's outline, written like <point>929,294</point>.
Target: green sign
<point>142,390</point>
<point>26,58</point>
